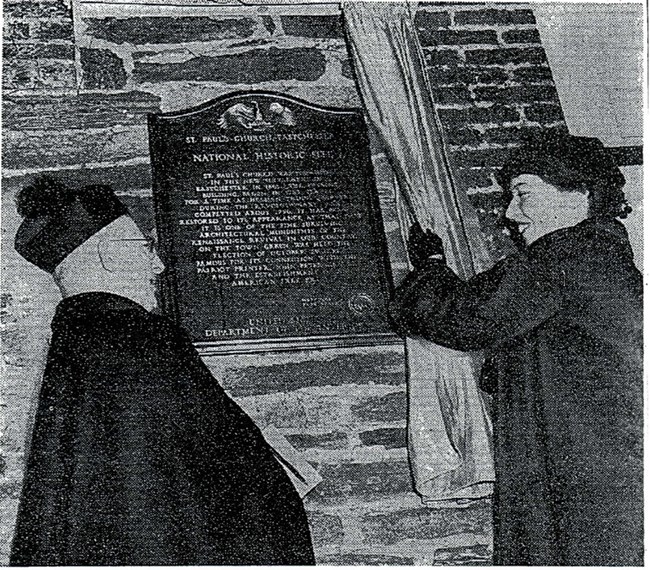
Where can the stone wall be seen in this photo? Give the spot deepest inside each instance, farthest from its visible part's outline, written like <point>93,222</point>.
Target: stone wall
<point>344,409</point>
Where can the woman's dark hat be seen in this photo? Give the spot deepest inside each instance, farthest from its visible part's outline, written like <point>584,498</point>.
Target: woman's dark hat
<point>583,160</point>
<point>58,219</point>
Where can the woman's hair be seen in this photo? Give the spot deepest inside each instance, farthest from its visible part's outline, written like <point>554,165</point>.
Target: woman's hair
<point>570,163</point>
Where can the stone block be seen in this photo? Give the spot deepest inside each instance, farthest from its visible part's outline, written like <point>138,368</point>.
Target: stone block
<point>425,20</point>
<point>390,438</point>
<point>332,440</point>
<point>504,56</point>
<point>425,523</point>
<point>430,37</point>
<point>40,149</point>
<point>494,17</point>
<point>123,178</point>
<point>326,529</point>
<point>477,554</point>
<point>102,69</point>
<point>544,113</point>
<point>19,74</point>
<point>356,559</point>
<point>382,368</point>
<point>253,66</point>
<point>313,26</point>
<point>168,30</point>
<point>81,111</point>
<point>53,30</point>
<point>362,480</point>
<point>532,74</point>
<point>517,94</point>
<point>521,37</point>
<point>388,408</point>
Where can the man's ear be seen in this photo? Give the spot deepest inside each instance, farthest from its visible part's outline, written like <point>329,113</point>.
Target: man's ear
<point>108,252</point>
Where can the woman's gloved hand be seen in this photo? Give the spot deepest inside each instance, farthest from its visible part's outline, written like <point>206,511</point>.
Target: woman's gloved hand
<point>423,246</point>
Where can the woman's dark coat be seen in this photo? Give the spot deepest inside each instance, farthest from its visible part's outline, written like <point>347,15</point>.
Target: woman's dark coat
<point>139,457</point>
<point>562,327</point>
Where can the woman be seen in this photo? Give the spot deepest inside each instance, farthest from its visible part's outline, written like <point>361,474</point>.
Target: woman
<point>561,325</point>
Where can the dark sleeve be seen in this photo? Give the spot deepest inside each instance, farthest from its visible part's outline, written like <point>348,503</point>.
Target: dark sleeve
<point>513,297</point>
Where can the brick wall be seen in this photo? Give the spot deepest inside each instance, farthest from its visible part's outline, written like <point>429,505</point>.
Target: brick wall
<point>344,409</point>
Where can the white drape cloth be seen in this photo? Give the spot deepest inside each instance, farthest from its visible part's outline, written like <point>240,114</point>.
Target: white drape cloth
<point>449,431</point>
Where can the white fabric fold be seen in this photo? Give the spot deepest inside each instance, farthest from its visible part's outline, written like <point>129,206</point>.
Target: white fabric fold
<point>449,430</point>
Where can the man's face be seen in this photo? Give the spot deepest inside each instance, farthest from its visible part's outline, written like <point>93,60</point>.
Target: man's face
<point>132,261</point>
<point>539,208</point>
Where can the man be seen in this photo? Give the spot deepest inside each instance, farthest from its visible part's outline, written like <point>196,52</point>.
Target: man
<point>561,324</point>
<point>138,456</point>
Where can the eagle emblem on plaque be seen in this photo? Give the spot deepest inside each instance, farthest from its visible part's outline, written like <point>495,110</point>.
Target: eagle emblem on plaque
<point>249,116</point>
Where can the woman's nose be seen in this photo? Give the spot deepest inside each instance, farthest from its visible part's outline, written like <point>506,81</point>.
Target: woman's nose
<point>513,212</point>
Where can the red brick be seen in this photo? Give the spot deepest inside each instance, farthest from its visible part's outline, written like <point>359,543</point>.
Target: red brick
<point>487,75</point>
<point>479,115</point>
<point>518,94</point>
<point>102,69</point>
<point>544,113</point>
<point>430,37</point>
<point>426,524</point>
<point>482,158</point>
<point>253,66</point>
<point>425,20</point>
<point>503,56</point>
<point>451,95</point>
<point>38,51</point>
<point>55,74</point>
<point>362,480</point>
<point>390,438</point>
<point>35,9</point>
<point>16,31</point>
<point>313,26</point>
<point>491,16</point>
<point>52,30</point>
<point>442,57</point>
<point>508,135</point>
<point>333,440</point>
<point>474,177</point>
<point>168,30</point>
<point>464,136</point>
<point>388,408</point>
<point>532,74</point>
<point>521,37</point>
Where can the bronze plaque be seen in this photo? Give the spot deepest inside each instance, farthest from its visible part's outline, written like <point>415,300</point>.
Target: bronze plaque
<point>269,224</point>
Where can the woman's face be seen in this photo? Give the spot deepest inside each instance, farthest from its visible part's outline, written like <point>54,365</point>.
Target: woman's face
<point>539,208</point>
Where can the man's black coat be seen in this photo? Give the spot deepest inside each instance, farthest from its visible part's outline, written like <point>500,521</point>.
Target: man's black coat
<point>139,457</point>
<point>561,324</point>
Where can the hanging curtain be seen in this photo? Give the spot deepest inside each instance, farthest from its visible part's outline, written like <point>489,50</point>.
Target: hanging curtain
<point>449,431</point>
